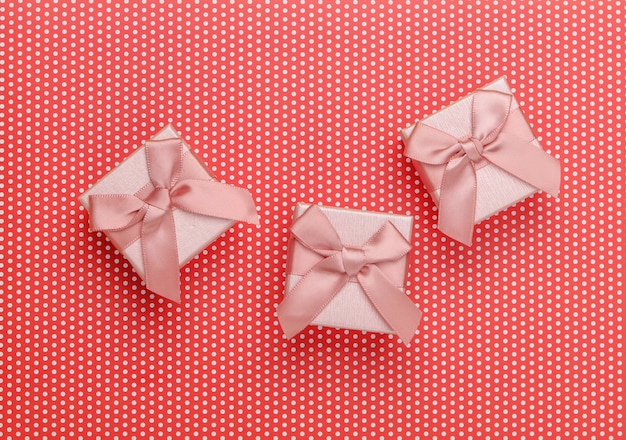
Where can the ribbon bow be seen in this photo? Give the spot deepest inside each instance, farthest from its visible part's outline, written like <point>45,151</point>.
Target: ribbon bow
<point>148,214</point>
<point>337,266</point>
<point>498,135</point>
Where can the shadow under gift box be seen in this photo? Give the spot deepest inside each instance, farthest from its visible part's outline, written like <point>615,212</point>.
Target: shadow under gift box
<point>194,232</point>
<point>350,308</point>
<point>496,189</point>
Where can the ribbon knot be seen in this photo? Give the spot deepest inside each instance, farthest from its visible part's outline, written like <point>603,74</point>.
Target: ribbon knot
<point>473,148</point>
<point>160,198</point>
<point>336,265</point>
<point>148,214</point>
<point>353,260</point>
<point>498,135</point>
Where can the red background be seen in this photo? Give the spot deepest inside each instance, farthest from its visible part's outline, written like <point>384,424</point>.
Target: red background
<point>523,332</point>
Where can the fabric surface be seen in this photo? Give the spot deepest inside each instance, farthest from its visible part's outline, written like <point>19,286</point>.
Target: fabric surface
<point>522,334</point>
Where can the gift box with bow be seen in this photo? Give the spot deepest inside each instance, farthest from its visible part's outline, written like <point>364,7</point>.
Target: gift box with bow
<point>477,157</point>
<point>347,269</point>
<point>161,207</point>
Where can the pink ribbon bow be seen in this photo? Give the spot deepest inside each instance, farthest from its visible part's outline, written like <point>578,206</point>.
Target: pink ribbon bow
<point>337,265</point>
<point>499,136</point>
<point>148,214</point>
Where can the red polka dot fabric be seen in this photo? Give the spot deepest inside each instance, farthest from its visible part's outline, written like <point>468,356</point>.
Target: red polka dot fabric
<point>522,334</point>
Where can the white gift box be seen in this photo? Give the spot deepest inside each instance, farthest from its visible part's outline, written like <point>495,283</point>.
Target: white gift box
<point>351,308</point>
<point>496,189</point>
<point>194,232</point>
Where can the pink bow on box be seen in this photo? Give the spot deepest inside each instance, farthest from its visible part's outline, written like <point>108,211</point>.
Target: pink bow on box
<point>334,265</point>
<point>148,214</point>
<point>499,136</point>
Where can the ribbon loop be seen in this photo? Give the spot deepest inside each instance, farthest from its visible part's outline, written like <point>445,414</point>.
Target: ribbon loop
<point>497,135</point>
<point>164,159</point>
<point>335,268</point>
<point>173,188</point>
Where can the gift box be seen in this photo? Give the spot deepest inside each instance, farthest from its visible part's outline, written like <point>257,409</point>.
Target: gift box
<point>161,207</point>
<point>347,269</point>
<point>477,157</point>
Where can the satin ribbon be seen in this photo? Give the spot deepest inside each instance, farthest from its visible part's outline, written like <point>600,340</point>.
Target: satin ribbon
<point>499,136</point>
<point>337,265</point>
<point>148,214</point>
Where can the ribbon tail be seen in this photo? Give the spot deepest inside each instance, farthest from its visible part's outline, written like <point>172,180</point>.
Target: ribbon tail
<point>526,162</point>
<point>393,305</point>
<point>457,201</point>
<point>160,254</point>
<point>310,295</point>
<point>215,199</point>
